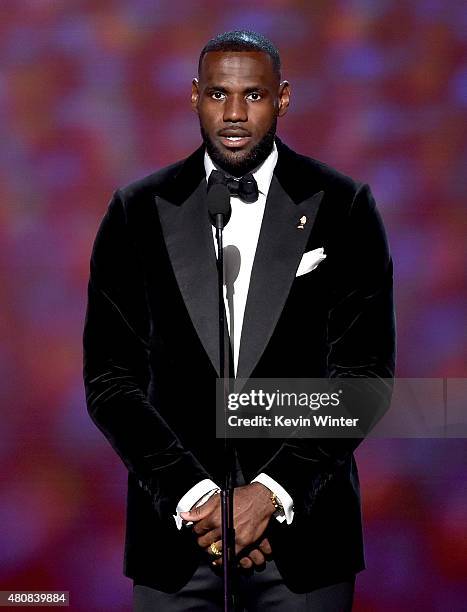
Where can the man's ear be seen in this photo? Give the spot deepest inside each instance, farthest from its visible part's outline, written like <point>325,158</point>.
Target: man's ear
<point>284,98</point>
<point>194,94</point>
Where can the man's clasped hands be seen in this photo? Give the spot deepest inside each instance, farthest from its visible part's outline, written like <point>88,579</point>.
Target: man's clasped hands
<point>252,511</point>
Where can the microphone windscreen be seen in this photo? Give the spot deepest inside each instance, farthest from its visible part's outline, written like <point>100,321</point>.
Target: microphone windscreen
<point>219,203</point>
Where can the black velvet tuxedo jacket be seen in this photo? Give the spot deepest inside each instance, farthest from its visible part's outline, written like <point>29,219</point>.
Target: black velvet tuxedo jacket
<point>151,356</point>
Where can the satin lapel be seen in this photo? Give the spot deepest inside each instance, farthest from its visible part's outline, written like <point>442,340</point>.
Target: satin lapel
<point>280,247</point>
<point>189,240</point>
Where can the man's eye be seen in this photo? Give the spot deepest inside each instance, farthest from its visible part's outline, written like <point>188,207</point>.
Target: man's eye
<point>218,95</point>
<point>254,95</point>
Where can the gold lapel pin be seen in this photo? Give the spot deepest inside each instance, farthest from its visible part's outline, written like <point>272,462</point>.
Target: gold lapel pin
<point>301,225</point>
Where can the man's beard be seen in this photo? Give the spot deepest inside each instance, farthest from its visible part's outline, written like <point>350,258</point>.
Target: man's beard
<point>242,166</point>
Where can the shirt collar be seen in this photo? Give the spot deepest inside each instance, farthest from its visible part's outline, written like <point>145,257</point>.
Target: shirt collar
<point>263,173</point>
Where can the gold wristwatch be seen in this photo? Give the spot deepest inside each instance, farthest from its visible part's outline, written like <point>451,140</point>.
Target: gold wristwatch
<point>276,502</point>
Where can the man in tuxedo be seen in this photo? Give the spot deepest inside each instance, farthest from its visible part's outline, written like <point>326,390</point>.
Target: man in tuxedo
<point>308,295</point>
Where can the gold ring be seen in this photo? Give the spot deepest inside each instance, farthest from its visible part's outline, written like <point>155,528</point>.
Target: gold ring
<point>215,552</point>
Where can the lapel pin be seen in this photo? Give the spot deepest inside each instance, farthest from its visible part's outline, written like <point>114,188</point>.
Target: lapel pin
<point>302,222</point>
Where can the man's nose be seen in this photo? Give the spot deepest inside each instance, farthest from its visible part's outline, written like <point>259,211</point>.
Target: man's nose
<point>235,109</point>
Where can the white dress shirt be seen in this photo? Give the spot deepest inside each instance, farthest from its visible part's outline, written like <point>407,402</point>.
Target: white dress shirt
<point>240,240</point>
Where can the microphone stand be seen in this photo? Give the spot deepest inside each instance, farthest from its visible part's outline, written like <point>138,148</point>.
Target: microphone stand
<point>227,493</point>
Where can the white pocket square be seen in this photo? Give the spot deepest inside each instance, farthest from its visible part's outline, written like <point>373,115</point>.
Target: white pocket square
<point>310,261</point>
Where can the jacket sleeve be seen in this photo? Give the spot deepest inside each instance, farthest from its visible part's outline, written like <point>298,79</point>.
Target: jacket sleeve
<point>361,345</point>
<point>116,370</point>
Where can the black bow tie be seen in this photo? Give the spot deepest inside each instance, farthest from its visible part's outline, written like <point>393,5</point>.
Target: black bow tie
<point>246,188</point>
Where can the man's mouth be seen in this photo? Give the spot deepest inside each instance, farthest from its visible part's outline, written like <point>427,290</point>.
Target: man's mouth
<point>233,140</point>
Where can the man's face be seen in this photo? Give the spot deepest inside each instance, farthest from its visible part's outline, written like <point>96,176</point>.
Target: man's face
<point>238,98</point>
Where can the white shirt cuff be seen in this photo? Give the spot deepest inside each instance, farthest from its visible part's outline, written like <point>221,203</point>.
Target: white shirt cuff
<point>198,494</point>
<point>281,493</point>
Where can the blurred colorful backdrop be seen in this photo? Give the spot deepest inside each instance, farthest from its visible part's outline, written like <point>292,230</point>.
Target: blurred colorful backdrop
<point>95,93</point>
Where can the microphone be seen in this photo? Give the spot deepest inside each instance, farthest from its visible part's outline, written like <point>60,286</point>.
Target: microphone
<point>219,205</point>
<point>219,211</point>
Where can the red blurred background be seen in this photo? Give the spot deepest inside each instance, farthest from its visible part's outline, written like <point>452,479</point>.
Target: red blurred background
<point>95,93</point>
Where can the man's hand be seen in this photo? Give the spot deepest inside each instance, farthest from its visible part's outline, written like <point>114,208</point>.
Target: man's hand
<point>252,511</point>
<point>256,556</point>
